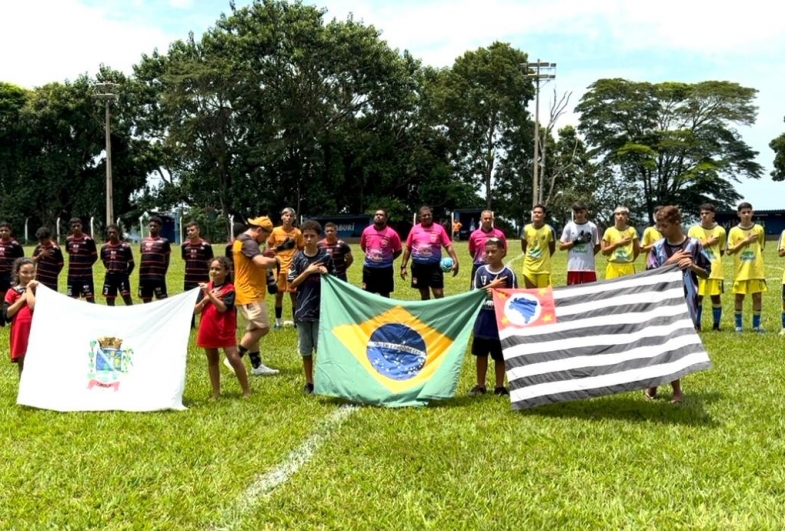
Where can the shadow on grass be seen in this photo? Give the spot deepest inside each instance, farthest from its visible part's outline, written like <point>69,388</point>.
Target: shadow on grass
<point>634,407</point>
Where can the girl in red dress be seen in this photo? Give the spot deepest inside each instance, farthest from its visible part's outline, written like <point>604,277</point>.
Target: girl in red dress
<point>218,325</point>
<point>18,308</point>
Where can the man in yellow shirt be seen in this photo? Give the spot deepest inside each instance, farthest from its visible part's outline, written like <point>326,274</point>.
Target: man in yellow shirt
<point>538,243</point>
<point>746,242</point>
<point>620,245</point>
<point>713,238</point>
<point>285,241</point>
<point>650,236</point>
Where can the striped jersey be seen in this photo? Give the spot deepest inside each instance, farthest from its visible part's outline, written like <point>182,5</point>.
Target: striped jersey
<point>197,257</point>
<point>155,258</point>
<point>49,265</point>
<point>117,258</point>
<point>10,250</point>
<point>337,251</point>
<point>82,254</point>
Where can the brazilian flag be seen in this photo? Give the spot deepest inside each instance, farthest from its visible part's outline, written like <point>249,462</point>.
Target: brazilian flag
<point>390,352</point>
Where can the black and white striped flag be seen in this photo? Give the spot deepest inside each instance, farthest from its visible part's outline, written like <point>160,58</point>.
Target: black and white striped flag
<point>577,342</point>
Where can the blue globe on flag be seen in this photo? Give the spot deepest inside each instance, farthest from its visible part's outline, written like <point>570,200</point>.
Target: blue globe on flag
<point>446,264</point>
<point>522,309</point>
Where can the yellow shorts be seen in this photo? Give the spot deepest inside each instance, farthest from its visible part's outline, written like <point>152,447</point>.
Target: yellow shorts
<point>255,315</point>
<point>745,287</point>
<point>710,287</point>
<point>616,270</point>
<point>283,283</point>
<point>537,280</point>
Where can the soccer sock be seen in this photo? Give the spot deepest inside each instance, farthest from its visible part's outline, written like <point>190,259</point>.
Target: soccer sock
<point>256,359</point>
<point>738,320</point>
<point>278,314</point>
<point>755,319</point>
<point>699,311</point>
<point>717,313</point>
<point>241,350</point>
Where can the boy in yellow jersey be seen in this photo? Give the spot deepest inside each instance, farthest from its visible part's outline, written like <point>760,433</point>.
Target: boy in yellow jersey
<point>538,243</point>
<point>650,235</point>
<point>746,242</point>
<point>620,245</point>
<point>781,252</point>
<point>285,241</point>
<point>713,238</point>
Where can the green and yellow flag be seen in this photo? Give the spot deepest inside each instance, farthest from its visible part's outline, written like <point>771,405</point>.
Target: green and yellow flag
<point>390,352</point>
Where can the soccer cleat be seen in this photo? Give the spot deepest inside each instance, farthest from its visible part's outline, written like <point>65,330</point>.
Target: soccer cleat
<point>478,390</point>
<point>277,326</point>
<point>759,330</point>
<point>264,370</point>
<point>716,327</point>
<point>228,365</point>
<point>698,328</point>
<point>308,389</point>
<point>739,329</point>
<point>501,391</point>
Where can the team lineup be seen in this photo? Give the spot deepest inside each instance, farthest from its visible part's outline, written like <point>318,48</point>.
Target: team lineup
<point>263,260</point>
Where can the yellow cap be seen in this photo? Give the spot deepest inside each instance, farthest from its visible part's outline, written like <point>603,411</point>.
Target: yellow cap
<point>263,222</point>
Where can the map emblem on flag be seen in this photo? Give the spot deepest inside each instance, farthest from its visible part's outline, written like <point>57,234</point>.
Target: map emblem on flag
<point>524,307</point>
<point>108,362</point>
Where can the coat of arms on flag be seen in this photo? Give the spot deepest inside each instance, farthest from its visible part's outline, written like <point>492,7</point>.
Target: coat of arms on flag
<point>108,362</point>
<point>597,339</point>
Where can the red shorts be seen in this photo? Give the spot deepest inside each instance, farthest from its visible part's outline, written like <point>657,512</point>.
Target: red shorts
<point>580,277</point>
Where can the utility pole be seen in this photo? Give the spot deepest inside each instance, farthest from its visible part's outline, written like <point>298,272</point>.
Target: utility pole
<point>108,93</point>
<point>537,71</point>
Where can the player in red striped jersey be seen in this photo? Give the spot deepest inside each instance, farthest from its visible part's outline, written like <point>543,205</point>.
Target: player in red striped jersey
<point>48,258</point>
<point>197,255</point>
<point>82,255</point>
<point>118,258</point>
<point>10,250</point>
<point>154,264</point>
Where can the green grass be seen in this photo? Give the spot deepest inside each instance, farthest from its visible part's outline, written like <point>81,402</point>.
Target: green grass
<point>617,462</point>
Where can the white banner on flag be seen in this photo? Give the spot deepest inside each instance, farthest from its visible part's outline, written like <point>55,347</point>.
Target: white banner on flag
<point>89,357</point>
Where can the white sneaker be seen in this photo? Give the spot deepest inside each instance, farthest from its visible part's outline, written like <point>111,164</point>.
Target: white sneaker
<point>264,370</point>
<point>228,365</point>
<point>782,332</point>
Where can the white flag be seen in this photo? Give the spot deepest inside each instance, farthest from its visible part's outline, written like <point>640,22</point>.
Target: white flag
<point>89,357</point>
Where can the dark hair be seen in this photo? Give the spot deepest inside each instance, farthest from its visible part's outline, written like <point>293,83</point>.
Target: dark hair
<point>494,241</point>
<point>115,227</point>
<point>330,225</point>
<point>669,213</point>
<point>155,219</point>
<point>5,224</point>
<point>75,220</point>
<point>238,228</point>
<point>658,208</point>
<point>43,232</point>
<point>708,206</point>
<point>424,208</point>
<point>743,205</point>
<point>226,264</point>
<point>386,215</point>
<point>312,225</point>
<point>541,207</point>
<point>579,205</point>
<point>192,223</point>
<point>18,263</point>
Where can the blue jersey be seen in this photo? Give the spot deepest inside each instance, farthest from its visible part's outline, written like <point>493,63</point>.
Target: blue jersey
<point>485,326</point>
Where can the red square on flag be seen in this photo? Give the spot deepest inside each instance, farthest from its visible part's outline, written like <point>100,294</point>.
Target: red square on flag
<point>522,308</point>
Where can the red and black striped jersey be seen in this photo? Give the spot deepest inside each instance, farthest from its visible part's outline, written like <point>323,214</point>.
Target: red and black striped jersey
<point>49,260</point>
<point>155,258</point>
<point>117,258</point>
<point>197,258</point>
<point>338,251</point>
<point>82,255</point>
<point>10,250</point>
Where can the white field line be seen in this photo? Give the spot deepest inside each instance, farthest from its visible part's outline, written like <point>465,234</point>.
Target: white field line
<point>265,484</point>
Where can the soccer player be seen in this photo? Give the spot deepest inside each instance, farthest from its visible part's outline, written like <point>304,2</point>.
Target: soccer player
<point>650,235</point>
<point>250,282</point>
<point>781,252</point>
<point>118,259</point>
<point>713,238</point>
<point>620,245</point>
<point>339,250</point>
<point>479,237</point>
<point>538,243</point>
<point>581,239</point>
<point>10,250</point>
<point>197,255</point>
<point>687,252</point>
<point>154,264</point>
<point>382,246</point>
<point>285,240</point>
<point>424,245</point>
<point>82,255</point>
<point>746,242</point>
<point>48,258</point>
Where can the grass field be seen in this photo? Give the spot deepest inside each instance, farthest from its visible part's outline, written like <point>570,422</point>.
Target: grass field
<point>620,462</point>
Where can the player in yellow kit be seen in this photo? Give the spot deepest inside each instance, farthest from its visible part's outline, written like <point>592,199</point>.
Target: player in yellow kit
<point>746,242</point>
<point>538,243</point>
<point>620,245</point>
<point>713,238</point>
<point>285,241</point>
<point>650,236</point>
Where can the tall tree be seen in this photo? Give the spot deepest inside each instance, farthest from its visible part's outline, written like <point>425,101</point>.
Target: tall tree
<point>778,146</point>
<point>676,142</point>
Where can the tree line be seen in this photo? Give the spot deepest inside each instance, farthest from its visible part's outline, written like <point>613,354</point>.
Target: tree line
<point>275,105</point>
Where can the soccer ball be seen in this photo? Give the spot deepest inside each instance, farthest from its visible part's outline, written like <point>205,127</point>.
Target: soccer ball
<point>446,264</point>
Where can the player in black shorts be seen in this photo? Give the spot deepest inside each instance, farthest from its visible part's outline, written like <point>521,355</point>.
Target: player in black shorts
<point>83,254</point>
<point>118,258</point>
<point>197,255</point>
<point>10,250</point>
<point>154,263</point>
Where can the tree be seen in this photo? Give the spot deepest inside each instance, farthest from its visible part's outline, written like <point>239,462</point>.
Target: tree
<point>675,142</point>
<point>778,146</point>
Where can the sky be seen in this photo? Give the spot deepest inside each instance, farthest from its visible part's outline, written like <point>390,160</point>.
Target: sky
<point>685,40</point>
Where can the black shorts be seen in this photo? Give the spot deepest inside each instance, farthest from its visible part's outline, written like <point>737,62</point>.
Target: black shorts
<point>378,280</point>
<point>80,287</point>
<point>482,347</point>
<point>116,282</point>
<point>783,292</point>
<point>152,286</point>
<point>5,282</point>
<point>427,276</point>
